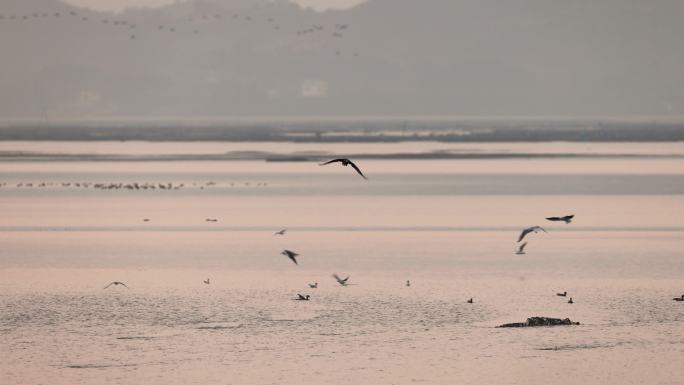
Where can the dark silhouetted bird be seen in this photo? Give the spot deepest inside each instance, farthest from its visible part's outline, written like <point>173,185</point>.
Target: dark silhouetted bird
<point>567,219</point>
<point>116,283</point>
<point>345,162</point>
<point>290,254</point>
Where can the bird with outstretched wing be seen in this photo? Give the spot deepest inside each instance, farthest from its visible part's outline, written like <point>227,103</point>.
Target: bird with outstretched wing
<point>345,162</point>
<point>291,254</point>
<point>116,283</point>
<point>528,230</point>
<point>339,280</point>
<point>567,219</point>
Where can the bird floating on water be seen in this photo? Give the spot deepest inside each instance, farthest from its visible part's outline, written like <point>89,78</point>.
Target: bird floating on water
<point>302,298</point>
<point>563,294</point>
<point>528,230</point>
<point>116,283</point>
<point>206,281</point>
<point>313,285</point>
<point>339,280</point>
<point>571,301</point>
<point>345,162</point>
<point>290,254</point>
<point>521,249</point>
<point>470,300</point>
<point>567,219</point>
<point>679,299</point>
<point>281,232</point>
<point>408,283</point>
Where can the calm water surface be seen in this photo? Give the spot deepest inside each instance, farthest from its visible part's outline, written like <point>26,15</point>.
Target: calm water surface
<point>448,226</point>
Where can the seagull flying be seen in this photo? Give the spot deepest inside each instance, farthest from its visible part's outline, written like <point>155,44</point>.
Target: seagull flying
<point>521,249</point>
<point>290,254</point>
<point>567,219</point>
<point>116,283</point>
<point>339,280</point>
<point>528,230</point>
<point>345,162</point>
<point>281,232</point>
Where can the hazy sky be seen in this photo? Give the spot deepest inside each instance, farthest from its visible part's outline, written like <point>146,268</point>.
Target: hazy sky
<point>118,5</point>
<point>383,58</point>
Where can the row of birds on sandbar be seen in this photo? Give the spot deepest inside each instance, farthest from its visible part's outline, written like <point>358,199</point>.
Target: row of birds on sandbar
<point>210,220</point>
<point>131,186</point>
<point>155,185</point>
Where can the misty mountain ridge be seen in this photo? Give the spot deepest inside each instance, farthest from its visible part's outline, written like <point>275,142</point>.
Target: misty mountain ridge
<point>381,58</point>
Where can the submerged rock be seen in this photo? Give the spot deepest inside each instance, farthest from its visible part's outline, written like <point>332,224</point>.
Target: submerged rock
<point>540,321</point>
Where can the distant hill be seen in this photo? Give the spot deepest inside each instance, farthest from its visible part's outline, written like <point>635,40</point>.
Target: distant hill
<point>383,57</point>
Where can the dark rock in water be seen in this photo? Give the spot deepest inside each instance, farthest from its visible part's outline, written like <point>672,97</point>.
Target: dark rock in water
<point>540,321</point>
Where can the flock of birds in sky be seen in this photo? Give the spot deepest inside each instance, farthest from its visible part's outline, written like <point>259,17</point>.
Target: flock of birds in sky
<point>192,25</point>
<point>292,255</point>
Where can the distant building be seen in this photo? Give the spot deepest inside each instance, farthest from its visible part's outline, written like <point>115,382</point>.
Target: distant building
<point>314,88</point>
